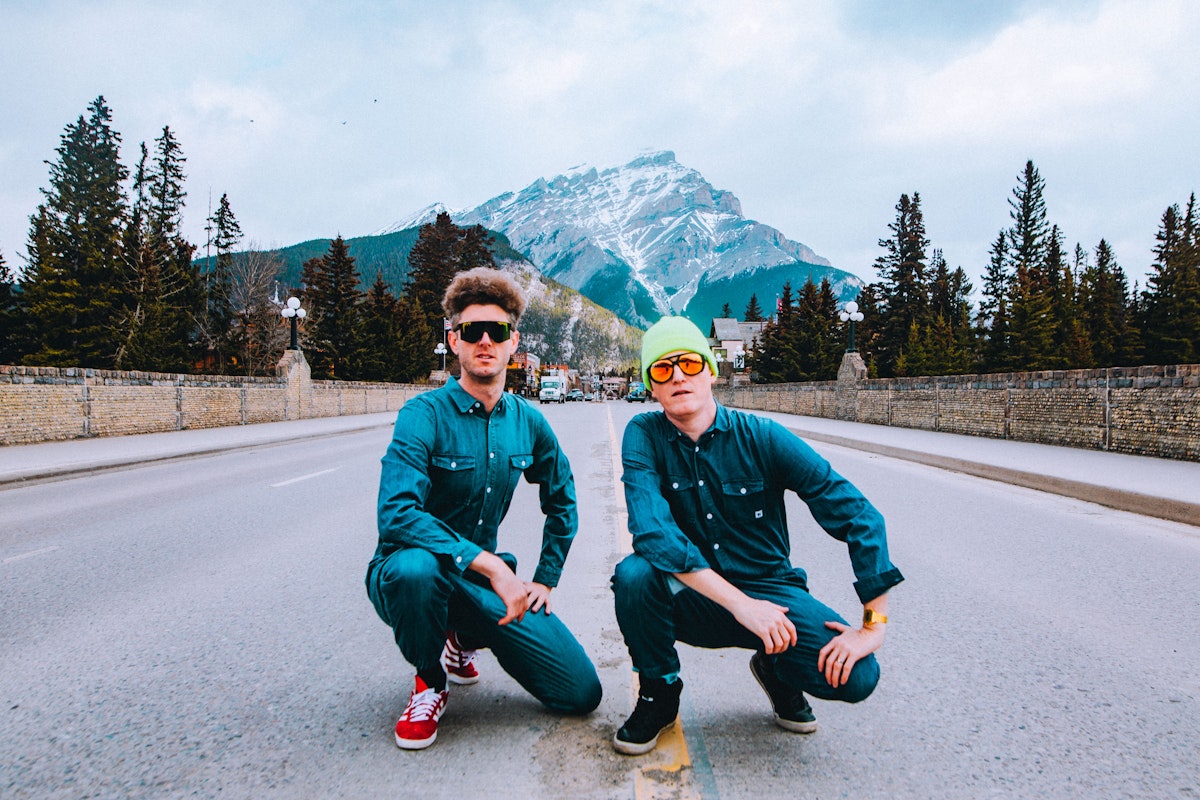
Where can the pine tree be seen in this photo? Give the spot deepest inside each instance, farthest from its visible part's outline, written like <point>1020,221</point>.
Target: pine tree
<point>334,313</point>
<point>816,347</point>
<point>993,318</point>
<point>443,249</point>
<point>753,312</point>
<point>13,330</point>
<point>772,360</point>
<point>950,341</point>
<point>726,313</point>
<point>217,328</point>
<point>902,289</point>
<point>163,292</point>
<point>378,357</point>
<point>1031,329</point>
<point>1105,302</point>
<point>1064,311</point>
<point>1171,304</point>
<point>71,282</point>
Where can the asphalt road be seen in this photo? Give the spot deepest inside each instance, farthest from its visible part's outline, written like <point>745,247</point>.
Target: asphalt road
<point>199,628</point>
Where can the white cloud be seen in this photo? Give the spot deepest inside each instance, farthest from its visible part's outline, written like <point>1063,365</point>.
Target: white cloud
<point>1052,78</point>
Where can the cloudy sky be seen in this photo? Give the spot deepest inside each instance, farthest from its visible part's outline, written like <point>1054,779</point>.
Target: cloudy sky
<point>320,118</point>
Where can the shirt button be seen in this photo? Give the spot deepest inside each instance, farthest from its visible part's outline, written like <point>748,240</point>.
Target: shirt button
<point>458,560</point>
<point>697,448</point>
<point>743,490</point>
<point>489,488</point>
<point>471,410</point>
<point>708,516</point>
<point>717,546</point>
<point>522,462</point>
<point>491,455</point>
<point>479,523</point>
<point>675,485</point>
<point>453,464</point>
<point>701,483</point>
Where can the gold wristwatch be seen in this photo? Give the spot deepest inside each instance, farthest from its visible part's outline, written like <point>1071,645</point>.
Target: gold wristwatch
<point>871,616</point>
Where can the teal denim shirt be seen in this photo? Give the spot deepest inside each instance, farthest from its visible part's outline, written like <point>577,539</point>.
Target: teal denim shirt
<point>449,475</point>
<point>719,502</point>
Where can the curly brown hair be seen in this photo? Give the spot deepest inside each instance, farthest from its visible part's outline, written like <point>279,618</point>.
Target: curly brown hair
<point>484,286</point>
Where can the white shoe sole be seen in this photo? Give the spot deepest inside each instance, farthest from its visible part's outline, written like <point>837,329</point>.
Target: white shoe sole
<point>414,744</point>
<point>635,749</point>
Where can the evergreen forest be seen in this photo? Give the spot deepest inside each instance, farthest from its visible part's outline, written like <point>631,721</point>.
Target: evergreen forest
<point>1042,306</point>
<point>111,282</point>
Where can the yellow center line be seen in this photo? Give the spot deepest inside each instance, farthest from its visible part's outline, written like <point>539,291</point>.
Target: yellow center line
<point>666,771</point>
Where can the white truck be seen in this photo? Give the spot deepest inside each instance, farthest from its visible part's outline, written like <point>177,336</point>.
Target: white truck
<point>553,389</point>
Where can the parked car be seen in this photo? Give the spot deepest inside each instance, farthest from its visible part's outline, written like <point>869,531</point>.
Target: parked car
<point>575,394</point>
<point>637,393</point>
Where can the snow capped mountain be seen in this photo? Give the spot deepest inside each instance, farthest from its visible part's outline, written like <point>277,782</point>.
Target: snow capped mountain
<point>649,238</point>
<point>427,214</point>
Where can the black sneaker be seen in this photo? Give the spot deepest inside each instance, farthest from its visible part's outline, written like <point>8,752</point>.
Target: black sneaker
<point>656,710</point>
<point>792,711</point>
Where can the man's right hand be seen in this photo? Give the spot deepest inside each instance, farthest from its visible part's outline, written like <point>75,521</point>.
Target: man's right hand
<point>764,619</point>
<point>514,594</point>
<point>505,583</point>
<point>768,621</point>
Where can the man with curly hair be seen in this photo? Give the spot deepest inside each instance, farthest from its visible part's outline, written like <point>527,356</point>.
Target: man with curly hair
<point>448,478</point>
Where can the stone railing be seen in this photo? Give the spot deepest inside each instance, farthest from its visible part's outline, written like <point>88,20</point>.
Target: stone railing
<point>39,404</point>
<point>1153,411</point>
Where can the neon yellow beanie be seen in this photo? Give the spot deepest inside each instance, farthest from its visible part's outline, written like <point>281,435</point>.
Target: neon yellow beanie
<point>670,334</point>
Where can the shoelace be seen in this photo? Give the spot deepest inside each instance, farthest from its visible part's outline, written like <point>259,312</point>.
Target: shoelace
<point>423,706</point>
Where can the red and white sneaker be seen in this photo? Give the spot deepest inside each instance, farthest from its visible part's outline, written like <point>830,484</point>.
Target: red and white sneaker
<point>417,727</point>
<point>458,662</point>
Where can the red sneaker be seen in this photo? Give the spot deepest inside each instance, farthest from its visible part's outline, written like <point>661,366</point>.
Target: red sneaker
<point>458,662</point>
<point>417,727</point>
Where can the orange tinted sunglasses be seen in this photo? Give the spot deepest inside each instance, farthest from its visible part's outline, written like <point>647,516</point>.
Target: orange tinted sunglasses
<point>663,370</point>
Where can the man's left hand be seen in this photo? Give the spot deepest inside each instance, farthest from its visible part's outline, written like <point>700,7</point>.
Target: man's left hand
<point>843,651</point>
<point>539,596</point>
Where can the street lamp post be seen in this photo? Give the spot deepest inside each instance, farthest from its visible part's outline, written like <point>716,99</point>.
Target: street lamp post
<point>441,351</point>
<point>851,314</point>
<point>293,312</point>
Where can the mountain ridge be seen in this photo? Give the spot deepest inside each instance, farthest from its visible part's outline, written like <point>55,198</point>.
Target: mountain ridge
<point>647,238</point>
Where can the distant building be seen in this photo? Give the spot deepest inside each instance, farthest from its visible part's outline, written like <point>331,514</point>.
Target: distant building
<point>528,364</point>
<point>733,340</point>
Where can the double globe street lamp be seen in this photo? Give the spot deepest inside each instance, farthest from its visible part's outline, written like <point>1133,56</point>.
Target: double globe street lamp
<point>441,351</point>
<point>293,312</point>
<point>852,315</point>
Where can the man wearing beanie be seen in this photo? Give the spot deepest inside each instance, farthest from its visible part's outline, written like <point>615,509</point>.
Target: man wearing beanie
<point>711,565</point>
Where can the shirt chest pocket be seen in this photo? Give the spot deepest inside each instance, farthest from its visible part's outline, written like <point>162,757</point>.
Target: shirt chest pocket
<point>681,496</point>
<point>517,466</point>
<point>744,498</point>
<point>453,472</point>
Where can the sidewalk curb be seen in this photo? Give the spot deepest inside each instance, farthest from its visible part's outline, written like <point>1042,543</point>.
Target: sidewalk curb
<point>1133,502</point>
<point>66,471</point>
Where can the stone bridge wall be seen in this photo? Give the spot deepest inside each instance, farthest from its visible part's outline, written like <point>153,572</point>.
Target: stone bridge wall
<point>1153,411</point>
<point>39,404</point>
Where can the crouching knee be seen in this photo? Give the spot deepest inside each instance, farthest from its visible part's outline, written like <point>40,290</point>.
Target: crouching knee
<point>863,680</point>
<point>580,698</point>
<point>634,580</point>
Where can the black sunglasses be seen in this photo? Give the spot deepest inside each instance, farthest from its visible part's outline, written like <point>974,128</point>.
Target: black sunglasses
<point>473,331</point>
<point>663,370</point>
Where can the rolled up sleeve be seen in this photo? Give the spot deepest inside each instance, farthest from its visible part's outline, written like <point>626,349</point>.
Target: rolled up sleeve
<point>841,510</point>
